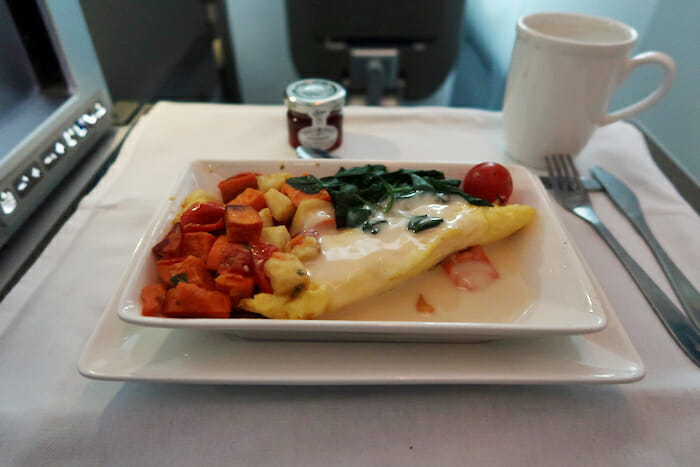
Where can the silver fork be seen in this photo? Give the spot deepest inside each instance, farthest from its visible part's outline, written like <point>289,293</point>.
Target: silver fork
<point>570,193</point>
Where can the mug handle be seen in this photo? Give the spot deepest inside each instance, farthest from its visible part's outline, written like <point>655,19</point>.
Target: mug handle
<point>658,58</point>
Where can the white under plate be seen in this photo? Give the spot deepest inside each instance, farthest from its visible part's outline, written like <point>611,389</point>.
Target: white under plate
<point>544,288</point>
<point>125,352</point>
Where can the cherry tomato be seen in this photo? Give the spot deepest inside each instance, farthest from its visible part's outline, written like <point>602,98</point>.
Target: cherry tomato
<point>489,181</point>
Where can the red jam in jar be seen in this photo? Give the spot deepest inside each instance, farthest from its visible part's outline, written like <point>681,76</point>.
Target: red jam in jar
<point>315,113</point>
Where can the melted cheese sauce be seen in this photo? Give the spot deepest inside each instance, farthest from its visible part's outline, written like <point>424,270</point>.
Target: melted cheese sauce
<point>505,300</point>
<point>356,262</point>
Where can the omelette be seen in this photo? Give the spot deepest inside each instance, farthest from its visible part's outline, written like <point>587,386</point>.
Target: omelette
<point>355,265</point>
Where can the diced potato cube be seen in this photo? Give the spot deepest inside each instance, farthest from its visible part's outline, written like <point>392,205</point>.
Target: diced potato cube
<point>287,275</point>
<point>304,247</point>
<point>313,214</point>
<point>269,181</point>
<point>277,235</point>
<point>266,217</point>
<point>281,207</point>
<point>310,303</point>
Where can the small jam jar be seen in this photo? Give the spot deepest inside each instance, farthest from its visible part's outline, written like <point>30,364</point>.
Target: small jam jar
<point>315,113</point>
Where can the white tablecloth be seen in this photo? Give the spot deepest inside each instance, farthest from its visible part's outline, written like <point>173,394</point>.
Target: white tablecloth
<point>50,415</point>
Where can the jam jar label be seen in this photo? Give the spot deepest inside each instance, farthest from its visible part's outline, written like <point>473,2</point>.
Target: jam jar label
<point>319,135</point>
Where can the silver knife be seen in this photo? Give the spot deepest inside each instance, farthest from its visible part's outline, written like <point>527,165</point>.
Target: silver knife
<point>627,203</point>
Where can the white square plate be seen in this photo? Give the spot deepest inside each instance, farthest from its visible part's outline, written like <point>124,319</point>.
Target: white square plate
<point>124,352</point>
<point>544,288</point>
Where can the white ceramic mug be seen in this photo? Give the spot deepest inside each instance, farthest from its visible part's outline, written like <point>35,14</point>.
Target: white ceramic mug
<point>564,70</point>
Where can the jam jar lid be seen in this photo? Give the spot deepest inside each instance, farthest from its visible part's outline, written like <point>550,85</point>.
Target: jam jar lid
<point>311,94</point>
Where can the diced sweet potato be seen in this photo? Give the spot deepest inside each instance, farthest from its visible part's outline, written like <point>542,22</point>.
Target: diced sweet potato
<point>152,299</point>
<point>197,244</point>
<point>171,245</point>
<point>243,223</point>
<point>190,301</point>
<point>227,256</point>
<point>233,186</point>
<point>235,285</point>
<point>297,196</point>
<point>190,269</point>
<point>251,197</point>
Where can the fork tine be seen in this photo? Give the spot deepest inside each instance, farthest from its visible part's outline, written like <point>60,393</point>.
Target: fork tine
<point>572,173</point>
<point>561,173</point>
<point>553,179</point>
<point>564,171</point>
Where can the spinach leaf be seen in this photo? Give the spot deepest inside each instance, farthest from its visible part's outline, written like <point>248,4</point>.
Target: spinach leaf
<point>424,222</point>
<point>358,192</point>
<point>356,216</point>
<point>308,184</point>
<point>177,278</point>
<point>371,226</point>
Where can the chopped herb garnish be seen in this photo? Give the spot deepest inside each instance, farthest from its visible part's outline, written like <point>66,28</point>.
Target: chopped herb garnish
<point>300,272</point>
<point>371,226</point>
<point>358,192</point>
<point>421,223</point>
<point>298,289</point>
<point>177,278</point>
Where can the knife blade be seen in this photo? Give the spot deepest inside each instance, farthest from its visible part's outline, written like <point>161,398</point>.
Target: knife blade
<point>628,204</point>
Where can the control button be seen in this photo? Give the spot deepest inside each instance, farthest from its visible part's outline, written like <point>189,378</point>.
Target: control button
<point>88,119</point>
<point>69,138</point>
<point>100,110</point>
<point>59,148</point>
<point>23,185</point>
<point>79,130</point>
<point>8,202</point>
<point>49,160</point>
<point>35,173</point>
<point>27,180</point>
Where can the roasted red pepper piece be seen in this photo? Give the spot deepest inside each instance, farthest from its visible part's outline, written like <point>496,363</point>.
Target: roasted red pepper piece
<point>227,256</point>
<point>203,217</point>
<point>261,253</point>
<point>470,269</point>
